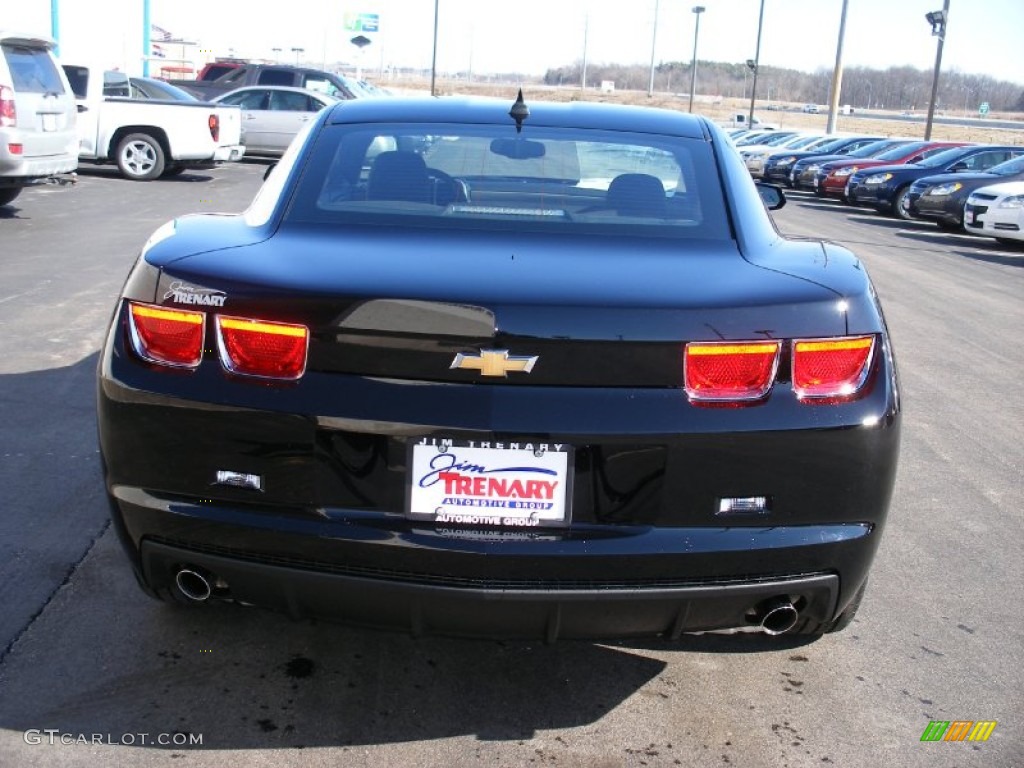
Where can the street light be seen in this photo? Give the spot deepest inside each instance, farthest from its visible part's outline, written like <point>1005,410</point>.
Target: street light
<point>277,54</point>
<point>938,21</point>
<point>297,51</point>
<point>697,11</point>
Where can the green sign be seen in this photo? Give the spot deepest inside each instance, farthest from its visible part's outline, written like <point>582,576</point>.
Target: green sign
<point>983,109</point>
<point>361,22</point>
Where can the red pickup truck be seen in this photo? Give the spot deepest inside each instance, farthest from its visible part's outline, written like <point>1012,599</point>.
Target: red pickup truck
<point>267,74</point>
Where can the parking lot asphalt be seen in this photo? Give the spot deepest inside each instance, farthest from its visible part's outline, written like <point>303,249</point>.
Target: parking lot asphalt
<point>93,673</point>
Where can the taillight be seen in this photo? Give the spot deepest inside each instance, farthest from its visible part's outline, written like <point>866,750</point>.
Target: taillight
<point>261,348</point>
<point>214,122</point>
<point>8,113</point>
<point>728,371</point>
<point>171,337</point>
<point>831,368</point>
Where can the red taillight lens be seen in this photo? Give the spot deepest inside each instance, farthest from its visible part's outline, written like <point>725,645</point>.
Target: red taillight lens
<point>831,368</point>
<point>167,336</point>
<point>8,113</point>
<point>214,122</point>
<point>717,371</point>
<point>261,348</point>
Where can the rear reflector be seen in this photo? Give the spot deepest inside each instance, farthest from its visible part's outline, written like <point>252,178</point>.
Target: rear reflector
<point>167,336</point>
<point>214,122</point>
<point>726,371</point>
<point>831,368</point>
<point>261,348</point>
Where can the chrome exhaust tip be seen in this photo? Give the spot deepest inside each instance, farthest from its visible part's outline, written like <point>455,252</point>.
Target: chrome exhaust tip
<point>778,616</point>
<point>193,584</point>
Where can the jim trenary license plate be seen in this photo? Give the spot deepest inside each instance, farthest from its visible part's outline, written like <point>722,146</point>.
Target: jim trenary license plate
<point>509,484</point>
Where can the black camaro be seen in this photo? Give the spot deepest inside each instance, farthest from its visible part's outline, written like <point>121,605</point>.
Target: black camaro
<point>540,372</point>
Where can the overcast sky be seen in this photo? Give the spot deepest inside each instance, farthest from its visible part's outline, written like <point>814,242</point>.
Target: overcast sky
<point>529,36</point>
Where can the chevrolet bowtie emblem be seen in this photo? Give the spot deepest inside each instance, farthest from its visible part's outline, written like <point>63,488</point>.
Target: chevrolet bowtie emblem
<point>494,362</point>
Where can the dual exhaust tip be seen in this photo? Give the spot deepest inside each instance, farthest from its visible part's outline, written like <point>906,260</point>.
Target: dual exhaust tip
<point>775,616</point>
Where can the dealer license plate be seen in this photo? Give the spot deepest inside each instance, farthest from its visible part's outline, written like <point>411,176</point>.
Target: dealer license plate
<point>512,484</point>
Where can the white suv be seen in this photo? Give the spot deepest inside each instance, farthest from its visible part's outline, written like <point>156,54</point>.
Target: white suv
<point>38,139</point>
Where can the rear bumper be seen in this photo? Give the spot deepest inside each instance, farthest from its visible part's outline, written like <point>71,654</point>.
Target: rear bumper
<point>423,605</point>
<point>587,582</point>
<point>229,153</point>
<point>20,170</point>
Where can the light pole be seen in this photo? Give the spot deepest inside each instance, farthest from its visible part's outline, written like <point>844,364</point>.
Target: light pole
<point>754,66</point>
<point>654,40</point>
<point>297,51</point>
<point>277,55</point>
<point>697,11</point>
<point>938,21</point>
<point>583,73</point>
<point>433,58</point>
<point>837,75</point>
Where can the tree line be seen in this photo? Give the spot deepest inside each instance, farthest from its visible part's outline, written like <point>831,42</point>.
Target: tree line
<point>895,88</point>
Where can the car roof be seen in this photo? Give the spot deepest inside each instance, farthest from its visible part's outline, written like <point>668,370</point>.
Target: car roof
<point>462,110</point>
<point>286,88</point>
<point>1003,188</point>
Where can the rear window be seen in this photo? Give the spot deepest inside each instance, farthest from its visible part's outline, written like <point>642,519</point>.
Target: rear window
<point>33,70</point>
<point>490,177</point>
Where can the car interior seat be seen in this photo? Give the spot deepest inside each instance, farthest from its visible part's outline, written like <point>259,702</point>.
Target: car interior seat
<point>637,194</point>
<point>399,175</point>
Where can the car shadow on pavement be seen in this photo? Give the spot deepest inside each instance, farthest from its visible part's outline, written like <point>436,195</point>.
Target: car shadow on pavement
<point>50,474</point>
<point>886,222</point>
<point>110,172</point>
<point>1005,257</point>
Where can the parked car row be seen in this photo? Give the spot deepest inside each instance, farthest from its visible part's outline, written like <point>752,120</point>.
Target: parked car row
<point>955,185</point>
<point>276,101</point>
<point>55,116</point>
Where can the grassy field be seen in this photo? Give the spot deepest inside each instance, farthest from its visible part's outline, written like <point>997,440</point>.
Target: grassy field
<point>723,109</point>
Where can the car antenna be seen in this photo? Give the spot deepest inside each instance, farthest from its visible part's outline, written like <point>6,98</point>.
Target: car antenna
<point>519,112</point>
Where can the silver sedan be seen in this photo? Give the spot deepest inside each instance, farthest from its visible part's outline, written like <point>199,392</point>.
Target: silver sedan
<point>272,115</point>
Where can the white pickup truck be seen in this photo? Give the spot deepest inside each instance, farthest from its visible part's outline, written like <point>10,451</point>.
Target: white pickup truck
<point>739,120</point>
<point>148,139</point>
